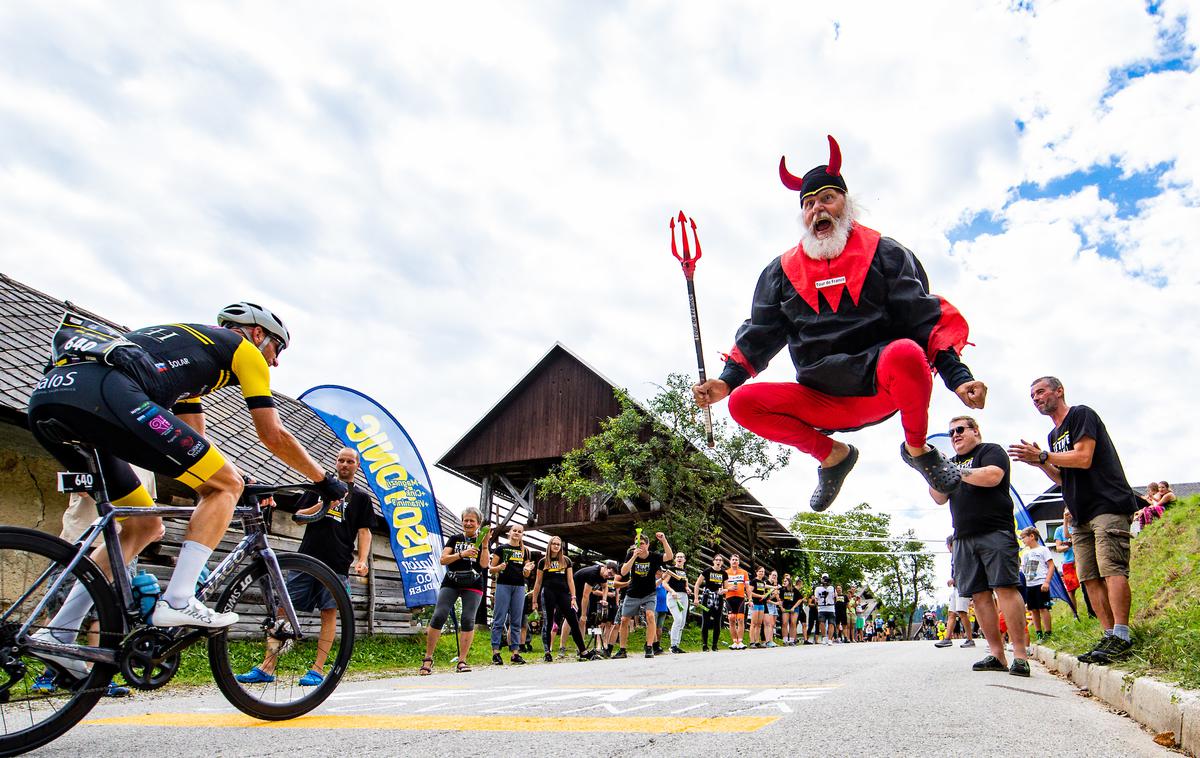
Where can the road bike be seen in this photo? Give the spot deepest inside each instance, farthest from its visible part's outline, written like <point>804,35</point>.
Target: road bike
<point>40,700</point>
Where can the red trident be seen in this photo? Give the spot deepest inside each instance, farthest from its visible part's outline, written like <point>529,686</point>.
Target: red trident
<point>688,263</point>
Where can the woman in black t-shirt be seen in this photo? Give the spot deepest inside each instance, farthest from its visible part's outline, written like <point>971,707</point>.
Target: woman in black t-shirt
<point>510,566</point>
<point>789,598</point>
<point>675,579</point>
<point>465,557</point>
<point>811,631</point>
<point>758,605</point>
<point>556,583</point>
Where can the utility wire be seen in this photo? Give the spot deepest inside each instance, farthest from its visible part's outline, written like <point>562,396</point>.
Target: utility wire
<point>866,552</point>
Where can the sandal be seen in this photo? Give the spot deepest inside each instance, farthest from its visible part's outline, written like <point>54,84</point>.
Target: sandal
<point>939,473</point>
<point>829,481</point>
<point>462,667</point>
<point>426,667</point>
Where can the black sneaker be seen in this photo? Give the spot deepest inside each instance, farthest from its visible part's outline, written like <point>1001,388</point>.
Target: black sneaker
<point>1019,667</point>
<point>548,658</point>
<point>497,660</point>
<point>677,650</point>
<point>939,473</point>
<point>588,655</point>
<point>829,481</point>
<point>657,649</point>
<point>1088,657</point>
<point>1113,649</point>
<point>990,663</point>
<point>649,651</point>
<point>704,649</point>
<point>516,660</point>
<point>620,654</point>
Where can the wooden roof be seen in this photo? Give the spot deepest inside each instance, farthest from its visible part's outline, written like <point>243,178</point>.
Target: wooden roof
<point>28,319</point>
<point>558,404</point>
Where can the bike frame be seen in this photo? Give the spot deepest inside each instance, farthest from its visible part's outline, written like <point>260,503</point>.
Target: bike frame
<point>253,543</point>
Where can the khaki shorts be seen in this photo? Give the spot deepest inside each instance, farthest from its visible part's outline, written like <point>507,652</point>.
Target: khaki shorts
<point>1102,546</point>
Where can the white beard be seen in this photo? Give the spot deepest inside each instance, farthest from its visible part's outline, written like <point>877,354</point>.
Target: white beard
<point>833,245</point>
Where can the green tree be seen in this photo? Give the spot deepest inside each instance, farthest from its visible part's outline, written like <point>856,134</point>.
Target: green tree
<point>908,573</point>
<point>656,457</point>
<point>843,534</point>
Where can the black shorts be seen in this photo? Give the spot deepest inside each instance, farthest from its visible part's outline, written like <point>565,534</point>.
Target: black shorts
<point>103,407</point>
<point>986,561</point>
<point>308,594</point>
<point>735,605</point>
<point>1036,598</point>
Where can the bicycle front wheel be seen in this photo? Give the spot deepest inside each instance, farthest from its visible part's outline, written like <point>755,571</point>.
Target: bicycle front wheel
<point>38,703</point>
<point>257,664</point>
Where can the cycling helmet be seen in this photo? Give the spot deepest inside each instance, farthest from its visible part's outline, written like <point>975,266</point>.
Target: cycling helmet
<point>252,314</point>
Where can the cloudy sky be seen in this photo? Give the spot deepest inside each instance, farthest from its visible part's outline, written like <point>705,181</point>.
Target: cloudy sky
<point>433,194</point>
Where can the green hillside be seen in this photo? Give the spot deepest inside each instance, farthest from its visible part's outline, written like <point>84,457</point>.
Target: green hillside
<point>1165,579</point>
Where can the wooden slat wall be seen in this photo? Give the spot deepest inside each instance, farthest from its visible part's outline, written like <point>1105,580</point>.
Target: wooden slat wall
<point>391,614</point>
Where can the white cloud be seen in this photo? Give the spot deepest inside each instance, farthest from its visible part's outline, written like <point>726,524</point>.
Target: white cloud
<point>432,196</point>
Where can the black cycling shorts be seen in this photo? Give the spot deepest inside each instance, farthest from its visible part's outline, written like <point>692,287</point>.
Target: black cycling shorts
<point>103,407</point>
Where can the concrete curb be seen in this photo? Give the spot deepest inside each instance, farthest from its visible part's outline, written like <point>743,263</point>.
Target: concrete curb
<point>1158,706</point>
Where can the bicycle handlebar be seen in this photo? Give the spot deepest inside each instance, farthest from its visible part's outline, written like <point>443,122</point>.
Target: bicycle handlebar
<point>259,490</point>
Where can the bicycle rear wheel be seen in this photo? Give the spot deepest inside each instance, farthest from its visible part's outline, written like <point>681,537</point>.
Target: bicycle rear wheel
<point>255,639</point>
<point>35,707</point>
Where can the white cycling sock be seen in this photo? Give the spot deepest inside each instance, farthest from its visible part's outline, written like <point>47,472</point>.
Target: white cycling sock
<point>192,558</point>
<point>74,609</point>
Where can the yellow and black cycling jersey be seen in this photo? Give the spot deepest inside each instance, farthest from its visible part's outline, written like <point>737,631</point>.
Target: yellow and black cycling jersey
<point>192,360</point>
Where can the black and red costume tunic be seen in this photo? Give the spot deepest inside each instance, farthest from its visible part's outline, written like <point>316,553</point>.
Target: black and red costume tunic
<point>863,331</point>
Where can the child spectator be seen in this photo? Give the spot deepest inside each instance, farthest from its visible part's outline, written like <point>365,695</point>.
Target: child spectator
<point>1038,566</point>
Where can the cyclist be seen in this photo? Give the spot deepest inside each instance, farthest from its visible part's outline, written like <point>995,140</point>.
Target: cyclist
<point>136,398</point>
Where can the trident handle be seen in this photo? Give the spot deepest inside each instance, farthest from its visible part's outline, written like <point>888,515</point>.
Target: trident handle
<point>688,263</point>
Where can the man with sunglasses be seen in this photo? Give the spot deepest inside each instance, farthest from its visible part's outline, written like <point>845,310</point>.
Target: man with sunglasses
<point>986,557</point>
<point>135,397</point>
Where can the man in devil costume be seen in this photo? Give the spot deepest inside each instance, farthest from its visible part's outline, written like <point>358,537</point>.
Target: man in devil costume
<point>864,332</point>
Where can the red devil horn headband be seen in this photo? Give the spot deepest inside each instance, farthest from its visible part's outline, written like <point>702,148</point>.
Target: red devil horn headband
<point>834,168</point>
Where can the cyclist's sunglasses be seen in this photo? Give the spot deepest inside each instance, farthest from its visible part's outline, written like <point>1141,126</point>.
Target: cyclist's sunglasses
<point>279,346</point>
<point>956,430</point>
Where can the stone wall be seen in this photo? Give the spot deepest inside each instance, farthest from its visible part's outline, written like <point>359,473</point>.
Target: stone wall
<point>28,485</point>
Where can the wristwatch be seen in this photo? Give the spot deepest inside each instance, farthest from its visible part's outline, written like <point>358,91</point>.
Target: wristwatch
<point>1042,456</point>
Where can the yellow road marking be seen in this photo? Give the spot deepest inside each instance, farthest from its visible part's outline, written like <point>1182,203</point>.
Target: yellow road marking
<point>458,723</point>
<point>830,686</point>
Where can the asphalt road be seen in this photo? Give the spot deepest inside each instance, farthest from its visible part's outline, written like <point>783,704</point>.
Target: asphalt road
<point>898,698</point>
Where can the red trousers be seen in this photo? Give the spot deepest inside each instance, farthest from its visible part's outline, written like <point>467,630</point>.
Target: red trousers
<point>791,413</point>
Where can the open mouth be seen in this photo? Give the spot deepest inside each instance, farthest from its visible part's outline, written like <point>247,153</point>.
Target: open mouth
<point>822,227</point>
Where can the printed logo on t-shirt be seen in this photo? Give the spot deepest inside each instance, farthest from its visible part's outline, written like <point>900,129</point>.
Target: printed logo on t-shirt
<point>1062,443</point>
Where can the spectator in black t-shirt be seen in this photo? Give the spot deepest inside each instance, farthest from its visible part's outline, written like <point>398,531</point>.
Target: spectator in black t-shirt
<point>985,555</point>
<point>342,541</point>
<point>466,557</point>
<point>1083,459</point>
<point>591,585</point>
<point>641,568</point>
<point>511,564</point>
<point>555,589</point>
<point>709,596</point>
<point>675,579</point>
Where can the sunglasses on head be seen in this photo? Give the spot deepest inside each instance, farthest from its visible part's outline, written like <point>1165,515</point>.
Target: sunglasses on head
<point>959,430</point>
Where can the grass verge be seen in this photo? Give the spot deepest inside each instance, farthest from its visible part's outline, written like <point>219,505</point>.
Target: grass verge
<point>1165,583</point>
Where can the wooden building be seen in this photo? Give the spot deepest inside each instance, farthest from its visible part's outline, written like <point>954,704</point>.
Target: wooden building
<point>557,405</point>
<point>28,319</point>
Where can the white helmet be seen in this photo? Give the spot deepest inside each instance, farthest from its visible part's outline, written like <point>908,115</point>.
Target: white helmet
<point>252,314</point>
